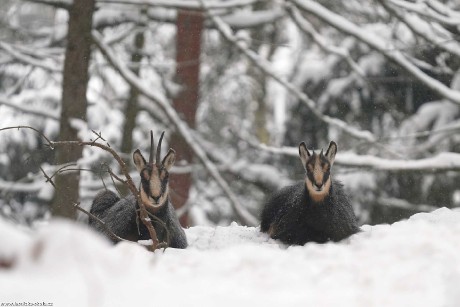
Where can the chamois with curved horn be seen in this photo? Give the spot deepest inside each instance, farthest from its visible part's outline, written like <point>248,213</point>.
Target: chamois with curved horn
<point>121,215</point>
<point>314,210</point>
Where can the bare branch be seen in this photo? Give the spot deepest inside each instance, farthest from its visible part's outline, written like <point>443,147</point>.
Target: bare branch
<point>50,143</point>
<point>376,43</point>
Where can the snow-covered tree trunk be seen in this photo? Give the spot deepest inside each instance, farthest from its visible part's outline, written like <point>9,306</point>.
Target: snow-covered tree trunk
<point>74,102</point>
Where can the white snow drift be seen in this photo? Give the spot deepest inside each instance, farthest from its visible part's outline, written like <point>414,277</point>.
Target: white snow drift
<point>409,263</point>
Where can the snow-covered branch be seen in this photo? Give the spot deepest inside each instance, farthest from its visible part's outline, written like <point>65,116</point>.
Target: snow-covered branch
<point>183,4</point>
<point>431,10</point>
<point>376,43</point>
<point>404,204</point>
<point>226,32</point>
<point>62,4</point>
<point>28,59</point>
<point>24,187</point>
<point>14,105</point>
<point>423,29</point>
<point>442,162</point>
<point>181,127</point>
<point>171,4</point>
<point>308,29</point>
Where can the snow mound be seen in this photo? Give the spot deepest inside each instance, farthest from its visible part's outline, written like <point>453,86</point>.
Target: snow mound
<point>409,263</point>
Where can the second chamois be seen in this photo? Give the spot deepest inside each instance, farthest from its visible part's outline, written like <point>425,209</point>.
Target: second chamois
<point>314,210</point>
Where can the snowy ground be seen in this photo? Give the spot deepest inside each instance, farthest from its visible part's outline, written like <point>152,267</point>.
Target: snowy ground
<point>410,263</point>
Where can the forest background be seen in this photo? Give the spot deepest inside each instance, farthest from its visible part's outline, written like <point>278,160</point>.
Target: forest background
<point>236,85</point>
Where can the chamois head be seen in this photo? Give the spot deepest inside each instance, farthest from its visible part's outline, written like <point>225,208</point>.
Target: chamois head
<point>318,168</point>
<point>154,188</point>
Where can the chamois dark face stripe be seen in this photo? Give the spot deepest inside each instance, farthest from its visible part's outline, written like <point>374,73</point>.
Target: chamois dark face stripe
<point>155,182</point>
<point>318,169</point>
<point>318,176</point>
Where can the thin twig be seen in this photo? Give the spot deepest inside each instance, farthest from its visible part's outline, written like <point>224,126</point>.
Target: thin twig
<point>50,143</point>
<point>48,179</point>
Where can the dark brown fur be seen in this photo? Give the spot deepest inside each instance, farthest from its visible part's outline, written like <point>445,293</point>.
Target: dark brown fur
<point>314,210</point>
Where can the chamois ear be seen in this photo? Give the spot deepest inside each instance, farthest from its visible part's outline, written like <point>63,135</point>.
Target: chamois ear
<point>331,151</point>
<point>139,160</point>
<point>169,159</point>
<point>304,154</point>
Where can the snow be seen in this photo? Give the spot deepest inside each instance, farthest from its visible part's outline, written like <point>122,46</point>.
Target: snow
<point>410,263</point>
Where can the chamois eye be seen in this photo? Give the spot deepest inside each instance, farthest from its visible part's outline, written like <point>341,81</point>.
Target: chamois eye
<point>145,174</point>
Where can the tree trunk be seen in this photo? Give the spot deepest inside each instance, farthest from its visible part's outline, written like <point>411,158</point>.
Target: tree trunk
<point>74,103</point>
<point>188,47</point>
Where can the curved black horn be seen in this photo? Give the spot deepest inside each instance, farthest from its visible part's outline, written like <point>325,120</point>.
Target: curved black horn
<point>159,148</point>
<point>151,147</point>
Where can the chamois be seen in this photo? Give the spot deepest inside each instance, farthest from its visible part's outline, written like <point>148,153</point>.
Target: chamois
<point>314,210</point>
<point>121,215</point>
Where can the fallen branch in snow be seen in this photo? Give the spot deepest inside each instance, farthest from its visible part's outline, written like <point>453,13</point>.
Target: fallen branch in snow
<point>226,32</point>
<point>376,43</point>
<point>182,128</point>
